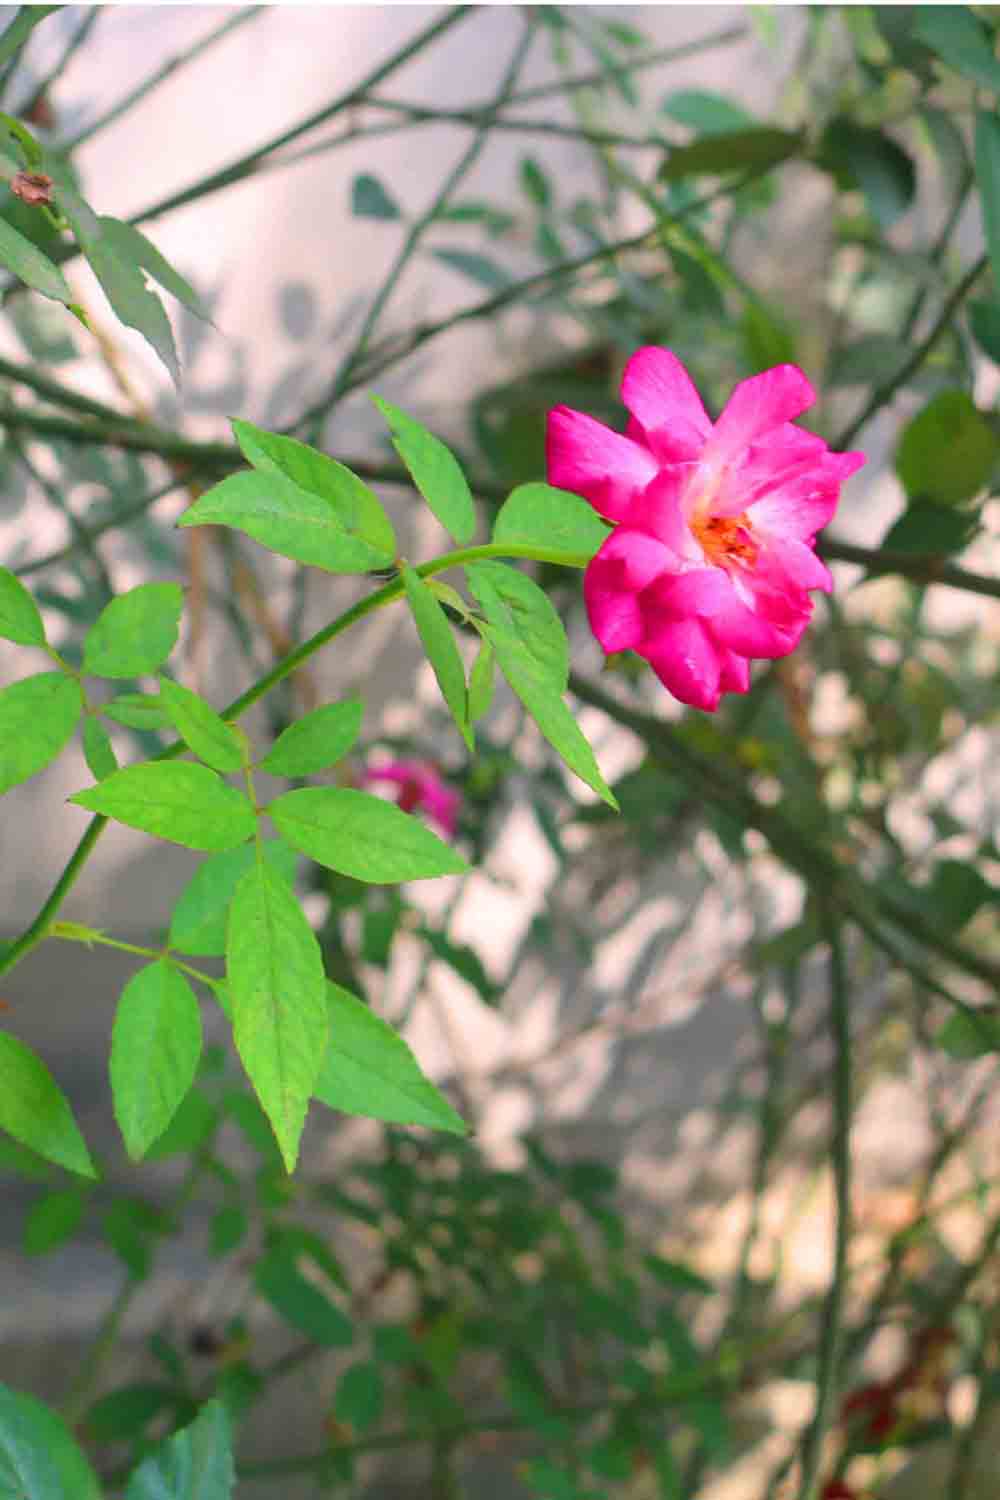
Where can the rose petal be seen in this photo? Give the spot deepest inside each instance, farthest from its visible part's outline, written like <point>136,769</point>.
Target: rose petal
<point>626,563</point>
<point>795,563</point>
<point>687,662</point>
<point>606,467</point>
<point>709,594</point>
<point>757,406</point>
<point>659,393</point>
<point>804,502</point>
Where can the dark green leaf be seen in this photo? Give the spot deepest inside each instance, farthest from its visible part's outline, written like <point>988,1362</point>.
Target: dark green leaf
<point>555,521</point>
<point>984,319</point>
<point>706,112</point>
<point>52,1221</point>
<point>228,1230</point>
<point>194,1464</point>
<point>37,718</point>
<point>97,751</point>
<point>961,40</point>
<point>731,151</point>
<point>465,961</point>
<point>434,470</point>
<point>358,1400</point>
<point>39,1459</point>
<point>30,265</point>
<point>300,1302</point>
<point>316,741</point>
<point>34,1110</point>
<point>275,977</point>
<point>360,835</point>
<point>768,337</point>
<point>964,1036</point>
<point>128,1411</point>
<point>185,803</point>
<point>534,182</point>
<point>131,245</point>
<point>947,451</point>
<point>369,199</point>
<point>988,182</point>
<point>19,617</point>
<point>190,1127</point>
<point>871,162</point>
<point>155,1049</point>
<point>136,632</point>
<point>201,728</point>
<point>927,529</point>
<point>674,1274</point>
<point>369,1070</point>
<point>198,924</point>
<point>439,644</point>
<point>129,1238</point>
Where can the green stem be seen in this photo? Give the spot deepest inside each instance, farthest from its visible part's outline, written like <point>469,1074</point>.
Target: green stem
<point>829,1351</point>
<point>422,114</point>
<point>69,932</point>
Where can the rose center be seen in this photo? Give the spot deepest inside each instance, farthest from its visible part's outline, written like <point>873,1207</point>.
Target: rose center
<point>726,541</point>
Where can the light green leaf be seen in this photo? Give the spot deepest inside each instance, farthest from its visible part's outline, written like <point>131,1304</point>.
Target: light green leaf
<point>481,682</point>
<point>131,299</point>
<point>185,803</point>
<point>31,265</point>
<point>316,741</point>
<point>97,750</point>
<point>136,632</point>
<point>194,1464</point>
<point>538,515</point>
<point>19,617</point>
<point>362,836</point>
<point>369,199</point>
<point>434,470</point>
<point>545,705</point>
<point>21,27</point>
<point>947,451</point>
<point>276,985</point>
<point>33,1109</point>
<point>442,652</point>
<point>39,1459</point>
<point>705,112</point>
<point>198,924</point>
<point>369,1070</point>
<point>155,1049</point>
<point>988,182</point>
<point>523,616</point>
<point>357,507</point>
<point>138,711</point>
<point>131,245</point>
<point>37,717</point>
<point>201,728</point>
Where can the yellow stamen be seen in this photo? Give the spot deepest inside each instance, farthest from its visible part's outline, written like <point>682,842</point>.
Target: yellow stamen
<point>726,541</point>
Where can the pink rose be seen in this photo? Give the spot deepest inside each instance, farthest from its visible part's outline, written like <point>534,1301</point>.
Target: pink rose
<point>711,561</point>
<point>420,786</point>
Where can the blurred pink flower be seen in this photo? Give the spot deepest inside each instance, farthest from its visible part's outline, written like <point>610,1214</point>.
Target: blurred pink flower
<point>712,558</point>
<point>420,786</point>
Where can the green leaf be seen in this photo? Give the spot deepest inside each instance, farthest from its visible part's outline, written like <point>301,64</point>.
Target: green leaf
<point>97,751</point>
<point>465,961</point>
<point>871,162</point>
<point>960,40</point>
<point>929,530</point>
<point>534,182</point>
<point>128,1411</point>
<point>676,1275</point>
<point>964,1036</point>
<point>732,151</point>
<point>185,803</point>
<point>767,337</point>
<point>369,1070</point>
<point>135,633</point>
<point>37,717</point>
<point>201,728</point>
<point>478,268</point>
<point>300,1301</point>
<point>439,643</point>
<point>523,617</point>
<point>198,924</point>
<point>537,515</point>
<point>132,301</point>
<point>286,519</point>
<point>129,1237</point>
<point>194,1464</point>
<point>988,182</point>
<point>39,1459</point>
<point>356,506</point>
<point>276,984</point>
<point>359,1396</point>
<point>229,1228</point>
<point>138,711</point>
<point>33,1109</point>
<point>155,1049</point>
<point>357,834</point>
<point>21,27</point>
<point>131,245</point>
<point>19,617</point>
<point>947,451</point>
<point>318,740</point>
<point>984,320</point>
<point>706,112</point>
<point>31,265</point>
<point>545,705</point>
<point>434,470</point>
<point>190,1127</point>
<point>481,682</point>
<point>369,199</point>
<point>53,1220</point>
